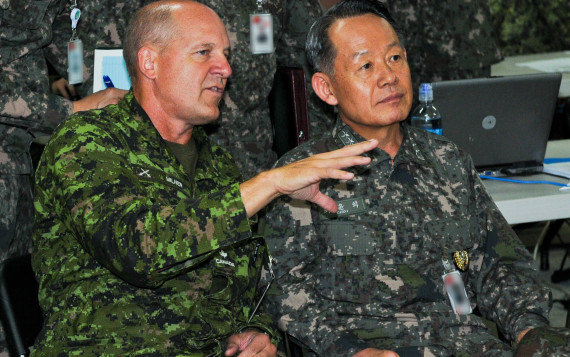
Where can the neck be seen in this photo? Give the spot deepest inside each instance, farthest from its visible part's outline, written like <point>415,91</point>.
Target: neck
<point>389,137</point>
<point>170,128</point>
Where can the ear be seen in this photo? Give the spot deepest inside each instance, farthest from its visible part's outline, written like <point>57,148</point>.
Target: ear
<point>146,59</point>
<point>323,88</point>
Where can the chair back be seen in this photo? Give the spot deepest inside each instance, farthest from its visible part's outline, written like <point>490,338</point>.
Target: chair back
<point>20,312</point>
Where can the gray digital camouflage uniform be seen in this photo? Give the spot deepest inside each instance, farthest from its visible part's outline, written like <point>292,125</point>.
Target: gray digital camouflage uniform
<point>26,110</point>
<point>244,127</point>
<point>371,275</point>
<point>446,39</point>
<point>134,257</point>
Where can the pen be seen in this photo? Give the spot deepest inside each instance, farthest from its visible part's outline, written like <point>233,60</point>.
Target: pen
<point>108,82</point>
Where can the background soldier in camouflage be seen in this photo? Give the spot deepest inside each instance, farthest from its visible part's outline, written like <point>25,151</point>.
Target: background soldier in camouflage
<point>446,39</point>
<point>528,26</point>
<point>143,242</point>
<point>367,280</point>
<point>102,25</point>
<point>27,110</point>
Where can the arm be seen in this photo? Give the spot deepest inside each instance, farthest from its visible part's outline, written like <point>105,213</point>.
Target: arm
<point>140,230</point>
<point>507,291</point>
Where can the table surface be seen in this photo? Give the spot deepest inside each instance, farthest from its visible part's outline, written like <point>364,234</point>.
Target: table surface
<point>523,203</point>
<point>509,67</point>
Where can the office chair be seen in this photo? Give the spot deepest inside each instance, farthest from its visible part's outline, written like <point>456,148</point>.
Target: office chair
<point>20,312</point>
<point>288,109</point>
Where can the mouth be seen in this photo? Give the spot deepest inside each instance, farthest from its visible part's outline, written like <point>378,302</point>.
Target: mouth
<point>392,98</point>
<point>216,89</point>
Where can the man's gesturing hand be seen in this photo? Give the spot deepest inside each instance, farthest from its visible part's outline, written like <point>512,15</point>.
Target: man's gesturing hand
<point>301,179</point>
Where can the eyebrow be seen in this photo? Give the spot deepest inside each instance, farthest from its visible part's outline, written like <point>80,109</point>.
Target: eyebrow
<point>393,44</point>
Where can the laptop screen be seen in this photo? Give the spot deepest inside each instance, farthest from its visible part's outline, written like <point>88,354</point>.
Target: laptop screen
<point>502,122</point>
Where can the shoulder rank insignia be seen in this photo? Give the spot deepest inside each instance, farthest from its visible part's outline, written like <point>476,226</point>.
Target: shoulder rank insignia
<point>461,259</point>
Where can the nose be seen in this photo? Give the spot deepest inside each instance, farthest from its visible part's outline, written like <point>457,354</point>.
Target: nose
<point>387,75</point>
<point>222,67</point>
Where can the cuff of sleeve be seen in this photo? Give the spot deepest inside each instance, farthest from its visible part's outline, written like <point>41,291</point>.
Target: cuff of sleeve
<point>58,109</point>
<point>528,321</point>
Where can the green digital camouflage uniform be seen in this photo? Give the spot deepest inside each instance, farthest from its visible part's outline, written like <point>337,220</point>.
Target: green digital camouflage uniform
<point>446,39</point>
<point>26,110</point>
<point>371,276</point>
<point>134,257</point>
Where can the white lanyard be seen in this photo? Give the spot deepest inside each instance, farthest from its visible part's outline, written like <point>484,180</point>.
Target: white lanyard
<point>74,49</point>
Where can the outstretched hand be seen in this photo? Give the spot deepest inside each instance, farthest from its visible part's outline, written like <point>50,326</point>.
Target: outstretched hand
<point>301,179</point>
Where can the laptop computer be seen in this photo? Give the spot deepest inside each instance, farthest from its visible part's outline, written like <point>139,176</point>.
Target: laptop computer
<point>502,122</point>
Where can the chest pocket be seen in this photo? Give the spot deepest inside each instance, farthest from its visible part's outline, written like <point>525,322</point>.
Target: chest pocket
<point>345,268</point>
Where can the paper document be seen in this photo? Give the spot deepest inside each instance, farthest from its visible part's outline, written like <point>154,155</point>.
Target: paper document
<point>112,64</point>
<point>561,168</point>
<point>561,64</point>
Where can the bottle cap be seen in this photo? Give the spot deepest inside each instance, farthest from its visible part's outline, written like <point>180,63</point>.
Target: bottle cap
<point>426,92</point>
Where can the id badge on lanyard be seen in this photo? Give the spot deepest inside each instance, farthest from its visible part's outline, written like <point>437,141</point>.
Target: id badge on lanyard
<point>74,50</point>
<point>453,283</point>
<point>261,31</point>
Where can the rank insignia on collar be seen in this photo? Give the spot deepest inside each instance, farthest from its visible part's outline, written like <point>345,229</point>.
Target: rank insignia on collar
<point>461,259</point>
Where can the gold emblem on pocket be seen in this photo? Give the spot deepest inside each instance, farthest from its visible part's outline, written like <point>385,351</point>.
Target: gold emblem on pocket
<point>461,259</point>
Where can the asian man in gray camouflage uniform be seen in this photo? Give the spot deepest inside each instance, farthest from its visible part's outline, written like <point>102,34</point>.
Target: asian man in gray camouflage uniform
<point>369,279</point>
<point>143,243</point>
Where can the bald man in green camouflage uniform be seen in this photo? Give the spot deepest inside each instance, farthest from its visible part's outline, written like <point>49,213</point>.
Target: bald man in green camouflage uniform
<point>368,279</point>
<point>143,242</point>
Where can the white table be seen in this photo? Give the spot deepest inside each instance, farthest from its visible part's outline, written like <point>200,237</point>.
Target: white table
<point>523,203</point>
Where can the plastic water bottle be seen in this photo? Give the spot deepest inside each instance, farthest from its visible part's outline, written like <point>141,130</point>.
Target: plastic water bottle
<point>426,116</point>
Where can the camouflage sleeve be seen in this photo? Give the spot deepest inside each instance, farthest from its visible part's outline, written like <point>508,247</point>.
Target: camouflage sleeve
<point>25,100</point>
<point>56,52</point>
<point>143,233</point>
<point>506,288</point>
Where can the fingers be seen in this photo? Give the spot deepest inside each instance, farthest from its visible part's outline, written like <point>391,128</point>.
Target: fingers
<point>73,94</point>
<point>350,150</point>
<point>251,343</point>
